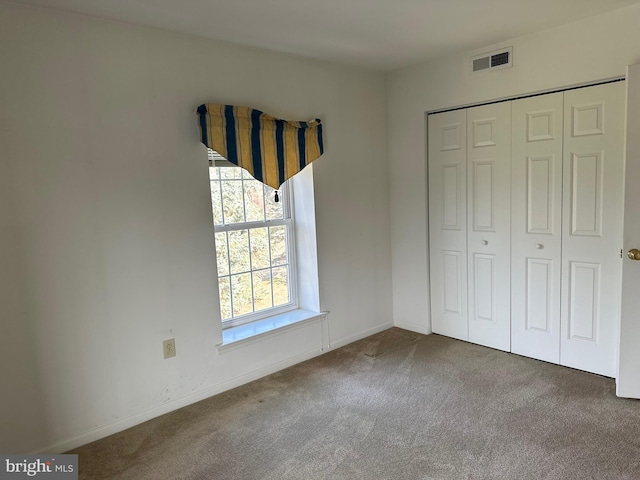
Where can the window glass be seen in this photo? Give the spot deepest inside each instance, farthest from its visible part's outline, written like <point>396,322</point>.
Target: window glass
<point>253,245</point>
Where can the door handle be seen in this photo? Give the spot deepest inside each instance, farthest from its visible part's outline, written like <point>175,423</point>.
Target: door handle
<point>634,254</point>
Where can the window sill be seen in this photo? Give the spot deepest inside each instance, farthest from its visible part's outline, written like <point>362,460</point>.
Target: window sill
<point>248,333</point>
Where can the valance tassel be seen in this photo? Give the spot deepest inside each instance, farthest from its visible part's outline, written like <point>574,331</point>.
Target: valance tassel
<point>277,198</point>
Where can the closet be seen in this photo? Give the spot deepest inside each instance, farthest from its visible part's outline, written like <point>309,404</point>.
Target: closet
<point>525,222</point>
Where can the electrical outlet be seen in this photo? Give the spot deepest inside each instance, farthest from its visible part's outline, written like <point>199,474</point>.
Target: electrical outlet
<point>169,348</point>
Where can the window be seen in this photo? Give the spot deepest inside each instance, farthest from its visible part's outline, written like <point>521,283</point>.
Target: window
<point>254,245</point>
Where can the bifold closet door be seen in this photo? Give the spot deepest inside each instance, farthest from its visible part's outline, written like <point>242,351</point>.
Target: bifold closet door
<point>536,226</point>
<point>592,227</point>
<point>488,224</point>
<point>448,223</point>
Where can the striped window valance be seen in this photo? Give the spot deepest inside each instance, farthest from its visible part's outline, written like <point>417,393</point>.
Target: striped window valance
<point>270,149</point>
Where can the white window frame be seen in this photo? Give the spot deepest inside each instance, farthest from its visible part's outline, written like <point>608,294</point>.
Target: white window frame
<point>286,198</point>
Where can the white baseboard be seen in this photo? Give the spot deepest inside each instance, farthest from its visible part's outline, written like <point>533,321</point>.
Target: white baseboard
<point>133,420</point>
<point>412,327</point>
<point>359,336</point>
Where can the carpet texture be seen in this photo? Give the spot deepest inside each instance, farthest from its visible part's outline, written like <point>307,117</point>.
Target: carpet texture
<point>397,406</point>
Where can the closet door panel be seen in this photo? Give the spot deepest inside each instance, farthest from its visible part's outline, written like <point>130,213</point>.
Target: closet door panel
<point>488,224</point>
<point>447,139</point>
<point>536,226</point>
<point>592,227</point>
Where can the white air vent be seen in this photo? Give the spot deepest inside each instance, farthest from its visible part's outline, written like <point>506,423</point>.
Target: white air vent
<point>492,60</point>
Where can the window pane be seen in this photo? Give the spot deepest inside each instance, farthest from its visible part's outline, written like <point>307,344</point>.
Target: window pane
<point>239,251</point>
<point>253,201</point>
<point>230,172</point>
<point>259,238</point>
<point>274,210</point>
<point>278,245</point>
<point>262,289</point>
<point>241,287</point>
<point>221,253</point>
<point>253,268</point>
<point>225,297</point>
<point>216,202</point>
<point>280,285</point>
<point>232,199</point>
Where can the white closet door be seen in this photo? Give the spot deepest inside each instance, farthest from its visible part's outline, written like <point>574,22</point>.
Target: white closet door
<point>536,226</point>
<point>448,223</point>
<point>592,227</point>
<point>488,224</point>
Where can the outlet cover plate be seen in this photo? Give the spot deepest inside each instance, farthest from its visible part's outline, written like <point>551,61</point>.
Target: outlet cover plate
<point>169,348</point>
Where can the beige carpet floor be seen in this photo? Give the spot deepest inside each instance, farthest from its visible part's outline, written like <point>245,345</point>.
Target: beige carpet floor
<point>397,406</point>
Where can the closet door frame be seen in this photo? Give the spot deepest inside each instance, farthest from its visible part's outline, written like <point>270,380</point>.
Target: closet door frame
<point>606,370</point>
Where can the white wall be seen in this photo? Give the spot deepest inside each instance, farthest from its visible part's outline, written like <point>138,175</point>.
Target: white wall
<point>590,50</point>
<point>105,226</point>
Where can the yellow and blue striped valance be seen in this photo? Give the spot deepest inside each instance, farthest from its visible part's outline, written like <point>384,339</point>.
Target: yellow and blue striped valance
<point>270,149</point>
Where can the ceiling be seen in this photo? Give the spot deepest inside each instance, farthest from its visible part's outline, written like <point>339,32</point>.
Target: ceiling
<point>378,34</point>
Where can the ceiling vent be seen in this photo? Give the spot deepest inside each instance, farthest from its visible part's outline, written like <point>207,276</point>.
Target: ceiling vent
<point>492,60</point>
